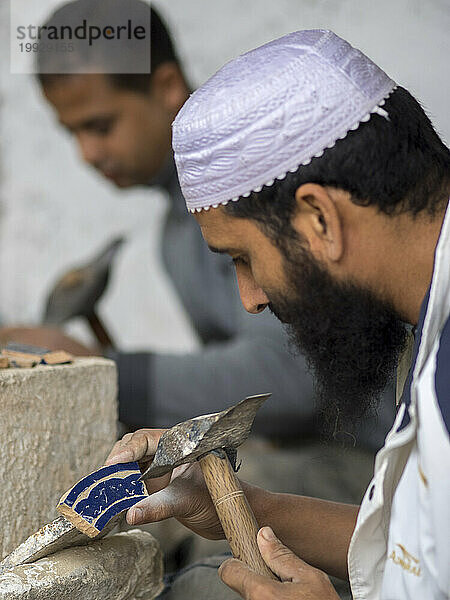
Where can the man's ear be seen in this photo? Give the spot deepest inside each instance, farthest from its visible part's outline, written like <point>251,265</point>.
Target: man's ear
<point>317,219</point>
<point>169,86</point>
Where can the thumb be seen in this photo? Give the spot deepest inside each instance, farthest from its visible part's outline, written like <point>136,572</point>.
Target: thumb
<point>280,559</point>
<point>157,507</point>
<point>245,582</point>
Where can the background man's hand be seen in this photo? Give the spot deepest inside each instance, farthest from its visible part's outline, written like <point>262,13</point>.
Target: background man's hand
<point>299,581</point>
<point>45,337</point>
<point>181,494</point>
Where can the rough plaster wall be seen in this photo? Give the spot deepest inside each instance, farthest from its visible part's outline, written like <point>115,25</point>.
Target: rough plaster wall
<point>56,212</point>
<point>126,566</point>
<point>56,425</point>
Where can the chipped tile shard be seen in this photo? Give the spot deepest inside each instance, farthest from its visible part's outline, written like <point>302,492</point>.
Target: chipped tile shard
<point>102,495</point>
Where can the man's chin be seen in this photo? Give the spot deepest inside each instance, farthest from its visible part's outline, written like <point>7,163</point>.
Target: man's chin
<point>119,181</point>
<point>350,339</point>
<point>123,183</point>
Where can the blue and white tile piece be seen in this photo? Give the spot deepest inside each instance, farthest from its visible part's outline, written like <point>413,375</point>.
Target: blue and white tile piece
<point>100,496</point>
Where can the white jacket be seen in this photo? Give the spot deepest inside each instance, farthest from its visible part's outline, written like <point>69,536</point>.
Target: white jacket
<point>400,548</point>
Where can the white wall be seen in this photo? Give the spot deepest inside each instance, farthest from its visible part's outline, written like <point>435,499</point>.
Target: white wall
<point>54,212</point>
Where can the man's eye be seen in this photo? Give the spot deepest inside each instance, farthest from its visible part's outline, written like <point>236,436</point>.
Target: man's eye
<point>103,128</point>
<point>100,126</point>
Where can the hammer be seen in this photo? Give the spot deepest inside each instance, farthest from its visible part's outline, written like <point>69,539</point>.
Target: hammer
<point>212,440</point>
<point>77,292</point>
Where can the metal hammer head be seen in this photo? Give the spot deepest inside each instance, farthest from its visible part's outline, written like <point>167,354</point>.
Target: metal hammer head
<point>189,440</point>
<point>76,293</point>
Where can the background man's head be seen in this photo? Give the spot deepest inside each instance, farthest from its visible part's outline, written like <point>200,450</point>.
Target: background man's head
<point>121,121</point>
<point>322,244</point>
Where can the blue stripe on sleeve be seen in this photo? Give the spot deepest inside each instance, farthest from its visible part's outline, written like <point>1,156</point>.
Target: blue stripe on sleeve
<point>442,375</point>
<point>406,395</point>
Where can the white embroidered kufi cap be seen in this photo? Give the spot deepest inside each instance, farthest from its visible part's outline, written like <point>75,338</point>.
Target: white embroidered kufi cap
<point>270,111</point>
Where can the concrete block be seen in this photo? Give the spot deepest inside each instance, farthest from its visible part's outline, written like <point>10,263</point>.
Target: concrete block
<point>125,566</point>
<point>57,423</point>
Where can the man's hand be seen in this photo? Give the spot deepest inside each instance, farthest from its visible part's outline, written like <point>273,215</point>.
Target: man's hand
<point>45,337</point>
<point>181,494</point>
<point>299,581</point>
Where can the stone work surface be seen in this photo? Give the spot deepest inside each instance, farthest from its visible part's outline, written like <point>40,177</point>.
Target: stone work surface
<point>125,566</point>
<point>56,424</point>
<point>52,537</point>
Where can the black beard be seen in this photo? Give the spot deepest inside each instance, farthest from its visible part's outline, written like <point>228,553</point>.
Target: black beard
<point>350,338</point>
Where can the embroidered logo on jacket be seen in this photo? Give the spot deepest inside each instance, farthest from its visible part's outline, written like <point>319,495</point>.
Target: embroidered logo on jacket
<point>405,560</point>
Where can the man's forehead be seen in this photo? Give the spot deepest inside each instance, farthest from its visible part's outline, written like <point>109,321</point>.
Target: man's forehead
<point>80,97</point>
<point>222,232</point>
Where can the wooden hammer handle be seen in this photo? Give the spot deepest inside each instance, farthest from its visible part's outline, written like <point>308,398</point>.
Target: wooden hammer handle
<point>100,331</point>
<point>234,512</point>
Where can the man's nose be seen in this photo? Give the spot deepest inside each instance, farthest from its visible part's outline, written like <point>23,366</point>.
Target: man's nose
<point>253,298</point>
<point>90,148</point>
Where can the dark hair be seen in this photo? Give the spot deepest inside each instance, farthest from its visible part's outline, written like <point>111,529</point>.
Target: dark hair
<point>88,57</point>
<point>398,165</point>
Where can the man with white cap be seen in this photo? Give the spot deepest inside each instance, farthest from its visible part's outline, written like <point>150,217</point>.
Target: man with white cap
<point>329,188</point>
<point>121,123</point>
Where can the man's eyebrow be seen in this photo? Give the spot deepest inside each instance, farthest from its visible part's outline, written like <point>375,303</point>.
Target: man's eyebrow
<point>88,123</point>
<point>216,250</point>
<point>224,250</point>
